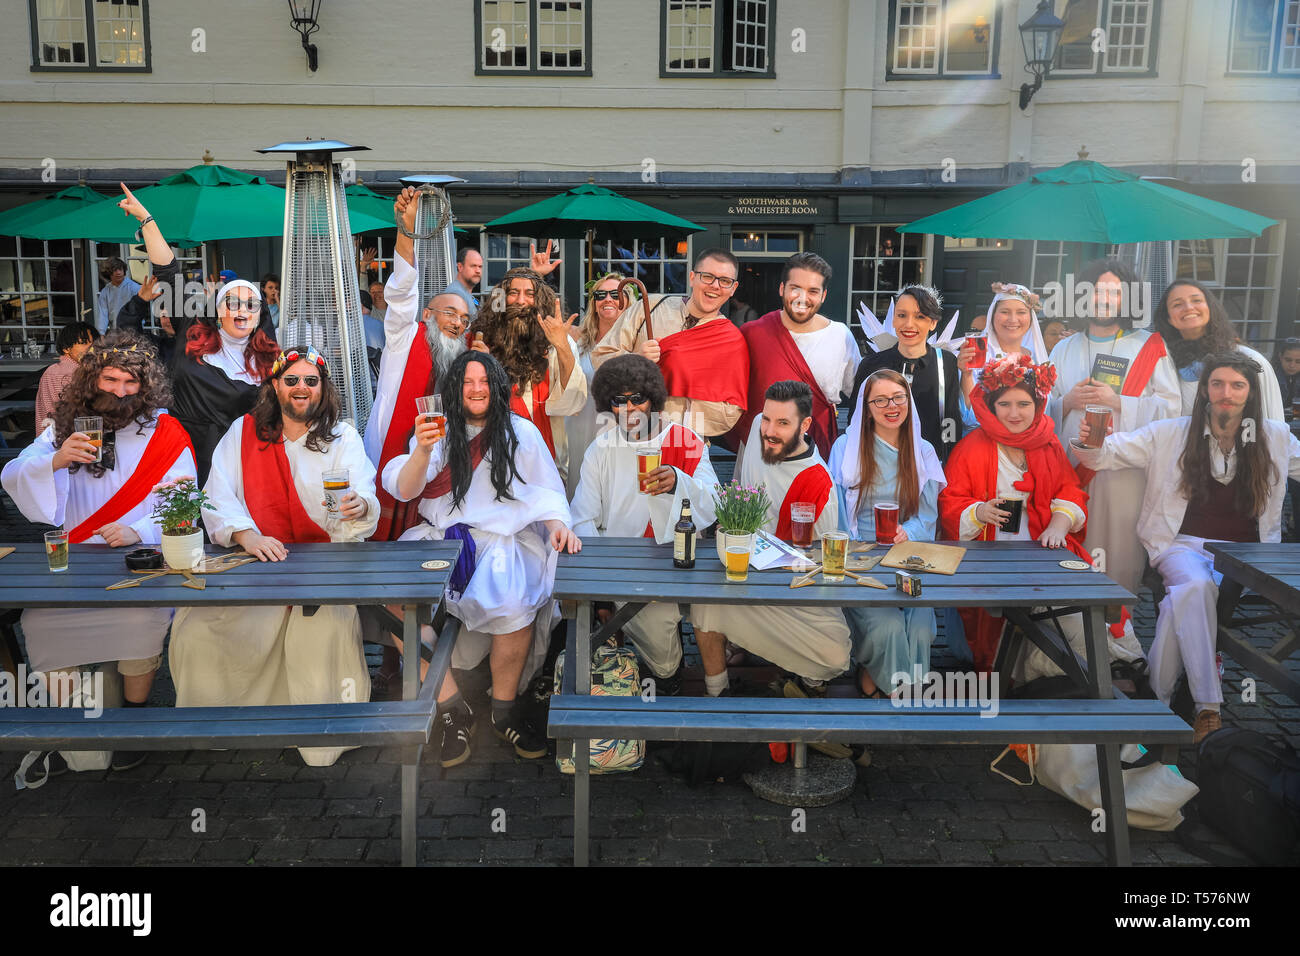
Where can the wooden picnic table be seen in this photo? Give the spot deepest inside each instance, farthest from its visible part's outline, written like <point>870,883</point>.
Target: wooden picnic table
<point>362,573</point>
<point>1007,577</point>
<point>1271,571</point>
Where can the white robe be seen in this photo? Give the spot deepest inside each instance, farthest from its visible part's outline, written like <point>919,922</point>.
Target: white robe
<point>1114,497</point>
<point>833,357</point>
<point>608,503</point>
<point>257,656</point>
<point>70,637</point>
<point>810,641</point>
<point>573,435</point>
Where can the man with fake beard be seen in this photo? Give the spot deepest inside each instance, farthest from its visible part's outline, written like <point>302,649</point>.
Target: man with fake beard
<point>417,351</point>
<point>798,343</point>
<point>812,643</point>
<point>266,493</point>
<point>1216,476</point>
<point>58,480</point>
<point>520,325</point>
<point>610,503</point>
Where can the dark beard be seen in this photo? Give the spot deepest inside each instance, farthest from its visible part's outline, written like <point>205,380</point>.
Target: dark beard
<point>306,418</point>
<point>118,413</point>
<point>516,340</point>
<point>1224,420</point>
<point>1105,321</point>
<point>785,451</point>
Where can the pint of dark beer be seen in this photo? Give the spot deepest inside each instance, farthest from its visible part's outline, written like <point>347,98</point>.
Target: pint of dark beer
<point>1015,506</point>
<point>1098,423</point>
<point>886,514</point>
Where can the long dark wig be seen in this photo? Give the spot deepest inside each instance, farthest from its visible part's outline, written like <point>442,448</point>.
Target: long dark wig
<point>499,430</point>
<point>1219,335</point>
<point>909,484</point>
<point>1256,472</point>
<point>268,419</point>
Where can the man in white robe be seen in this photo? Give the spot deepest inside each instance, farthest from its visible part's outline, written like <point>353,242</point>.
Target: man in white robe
<point>57,481</point>
<point>490,482</point>
<point>812,643</point>
<point>1227,452</point>
<point>253,656</point>
<point>609,502</point>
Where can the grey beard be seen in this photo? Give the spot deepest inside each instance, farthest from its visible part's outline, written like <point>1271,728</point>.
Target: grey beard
<point>444,349</point>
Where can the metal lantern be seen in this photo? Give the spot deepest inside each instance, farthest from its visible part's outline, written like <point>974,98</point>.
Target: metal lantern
<point>434,236</point>
<point>320,302</point>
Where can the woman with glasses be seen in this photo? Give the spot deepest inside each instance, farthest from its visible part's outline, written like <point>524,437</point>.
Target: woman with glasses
<point>602,312</point>
<point>216,375</point>
<point>881,459</point>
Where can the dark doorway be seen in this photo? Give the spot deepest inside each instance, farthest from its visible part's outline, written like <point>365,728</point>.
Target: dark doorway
<point>757,288</point>
<point>966,274</point>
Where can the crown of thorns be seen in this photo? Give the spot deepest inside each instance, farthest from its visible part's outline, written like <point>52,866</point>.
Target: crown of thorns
<point>286,359</point>
<point>1016,291</point>
<point>1020,370</point>
<point>99,351</point>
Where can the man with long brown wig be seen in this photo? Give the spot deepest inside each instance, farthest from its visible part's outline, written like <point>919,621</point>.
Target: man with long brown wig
<point>108,499</point>
<point>267,494</point>
<point>1214,476</point>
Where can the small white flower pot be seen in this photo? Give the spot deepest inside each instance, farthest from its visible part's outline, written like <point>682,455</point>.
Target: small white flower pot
<point>183,552</point>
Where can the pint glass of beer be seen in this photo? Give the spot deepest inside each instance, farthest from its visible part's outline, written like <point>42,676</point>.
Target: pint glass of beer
<point>56,550</point>
<point>802,516</point>
<point>737,562</point>
<point>429,409</point>
<point>93,428</point>
<point>336,486</point>
<point>886,514</point>
<point>646,462</point>
<point>1098,422</point>
<point>1015,505</point>
<point>981,345</point>
<point>835,546</point>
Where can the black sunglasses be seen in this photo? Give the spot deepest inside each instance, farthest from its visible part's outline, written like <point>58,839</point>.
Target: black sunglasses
<point>311,381</point>
<point>601,294</point>
<point>636,398</point>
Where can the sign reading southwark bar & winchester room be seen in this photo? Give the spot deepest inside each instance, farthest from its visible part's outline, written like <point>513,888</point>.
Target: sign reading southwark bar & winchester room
<point>772,206</point>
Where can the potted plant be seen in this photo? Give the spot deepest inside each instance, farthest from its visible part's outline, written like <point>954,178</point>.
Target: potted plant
<point>741,510</point>
<point>177,513</point>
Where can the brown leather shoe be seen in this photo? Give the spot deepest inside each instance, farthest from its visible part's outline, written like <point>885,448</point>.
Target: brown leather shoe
<point>1207,722</point>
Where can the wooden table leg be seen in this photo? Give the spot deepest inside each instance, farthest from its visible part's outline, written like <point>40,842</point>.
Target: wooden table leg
<point>410,802</point>
<point>410,652</point>
<point>581,665</point>
<point>1109,770</point>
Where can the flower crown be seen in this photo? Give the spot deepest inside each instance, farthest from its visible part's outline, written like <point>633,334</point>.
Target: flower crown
<point>286,359</point>
<point>1014,290</point>
<point>1020,370</point>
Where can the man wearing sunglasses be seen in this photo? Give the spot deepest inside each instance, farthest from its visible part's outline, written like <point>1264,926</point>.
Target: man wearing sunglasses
<point>702,356</point>
<point>609,500</point>
<point>266,493</point>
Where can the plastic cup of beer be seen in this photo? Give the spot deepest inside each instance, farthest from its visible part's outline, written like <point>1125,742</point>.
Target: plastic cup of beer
<point>802,516</point>
<point>646,462</point>
<point>835,546</point>
<point>56,550</point>
<point>1015,505</point>
<point>92,426</point>
<point>886,515</point>
<point>336,486</point>
<point>737,562</point>
<point>1098,423</point>
<point>429,408</point>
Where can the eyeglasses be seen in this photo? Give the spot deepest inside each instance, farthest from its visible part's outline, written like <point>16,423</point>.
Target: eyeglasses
<point>722,282</point>
<point>449,314</point>
<point>602,294</point>
<point>311,381</point>
<point>636,398</point>
<point>236,304</point>
<point>885,401</point>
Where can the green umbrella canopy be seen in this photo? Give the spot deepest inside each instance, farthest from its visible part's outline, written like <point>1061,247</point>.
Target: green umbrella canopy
<point>364,201</point>
<point>572,213</point>
<point>202,204</point>
<point>1084,201</point>
<point>16,221</point>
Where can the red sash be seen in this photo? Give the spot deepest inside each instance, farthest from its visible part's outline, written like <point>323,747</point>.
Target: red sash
<point>169,439</point>
<point>441,483</point>
<point>1135,382</point>
<point>812,484</point>
<point>682,449</point>
<point>417,381</point>
<point>708,363</point>
<point>774,357</point>
<point>269,491</point>
<point>541,391</point>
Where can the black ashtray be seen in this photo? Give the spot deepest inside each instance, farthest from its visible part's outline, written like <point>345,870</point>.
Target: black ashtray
<point>144,559</point>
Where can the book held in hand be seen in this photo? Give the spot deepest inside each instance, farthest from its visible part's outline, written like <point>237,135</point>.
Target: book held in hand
<point>1110,370</point>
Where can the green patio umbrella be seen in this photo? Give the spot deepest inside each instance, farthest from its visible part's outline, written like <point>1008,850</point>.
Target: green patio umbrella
<point>586,211</point>
<point>365,202</point>
<point>1084,201</point>
<point>29,216</point>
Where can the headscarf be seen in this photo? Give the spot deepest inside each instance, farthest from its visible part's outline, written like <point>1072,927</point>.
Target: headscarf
<point>231,358</point>
<point>1018,370</point>
<point>1033,338</point>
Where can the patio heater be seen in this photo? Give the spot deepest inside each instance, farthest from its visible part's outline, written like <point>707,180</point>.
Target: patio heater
<point>320,303</point>
<point>434,236</point>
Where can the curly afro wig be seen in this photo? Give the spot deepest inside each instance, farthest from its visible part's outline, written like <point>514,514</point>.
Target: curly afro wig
<point>625,374</point>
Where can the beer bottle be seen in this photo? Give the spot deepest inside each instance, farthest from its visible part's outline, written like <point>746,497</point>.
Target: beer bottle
<point>684,538</point>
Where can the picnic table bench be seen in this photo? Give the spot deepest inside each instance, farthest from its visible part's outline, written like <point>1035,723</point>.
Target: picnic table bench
<point>1010,577</point>
<point>1272,573</point>
<point>363,573</point>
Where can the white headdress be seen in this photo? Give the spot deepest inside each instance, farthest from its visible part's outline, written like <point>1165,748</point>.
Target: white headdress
<point>1033,339</point>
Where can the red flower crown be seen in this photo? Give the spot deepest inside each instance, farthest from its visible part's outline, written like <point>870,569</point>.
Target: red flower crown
<point>1020,370</point>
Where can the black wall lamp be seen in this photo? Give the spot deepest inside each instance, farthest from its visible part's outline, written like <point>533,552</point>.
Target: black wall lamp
<point>1040,35</point>
<point>304,14</point>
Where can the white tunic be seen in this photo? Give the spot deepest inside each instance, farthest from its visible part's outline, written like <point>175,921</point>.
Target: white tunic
<point>832,355</point>
<point>755,472</point>
<point>1270,392</point>
<point>69,637</point>
<point>573,435</point>
<point>401,326</point>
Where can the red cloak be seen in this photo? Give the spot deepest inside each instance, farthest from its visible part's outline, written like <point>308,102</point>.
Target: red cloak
<point>269,492</point>
<point>707,363</point>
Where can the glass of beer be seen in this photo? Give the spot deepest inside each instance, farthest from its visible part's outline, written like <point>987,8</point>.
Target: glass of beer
<point>429,408</point>
<point>92,426</point>
<point>1015,505</point>
<point>886,514</point>
<point>1098,422</point>
<point>737,562</point>
<point>336,486</point>
<point>802,516</point>
<point>835,545</point>
<point>646,462</point>
<point>56,550</point>
<point>981,346</point>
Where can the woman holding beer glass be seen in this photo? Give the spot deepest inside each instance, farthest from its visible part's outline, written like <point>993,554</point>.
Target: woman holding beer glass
<point>888,480</point>
<point>1011,329</point>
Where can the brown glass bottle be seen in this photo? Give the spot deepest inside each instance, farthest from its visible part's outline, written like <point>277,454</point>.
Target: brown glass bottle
<point>684,538</point>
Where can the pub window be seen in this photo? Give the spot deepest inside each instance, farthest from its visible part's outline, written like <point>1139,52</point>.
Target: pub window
<point>83,35</point>
<point>766,243</point>
<point>136,257</point>
<point>1264,37</point>
<point>1245,274</point>
<point>38,283</point>
<point>659,263</point>
<point>1107,36</point>
<point>502,252</point>
<point>717,37</point>
<point>533,36</point>
<point>883,262</point>
<point>943,38</point>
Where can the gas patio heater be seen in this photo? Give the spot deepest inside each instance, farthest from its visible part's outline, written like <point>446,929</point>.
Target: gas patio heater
<point>320,303</point>
<point>435,241</point>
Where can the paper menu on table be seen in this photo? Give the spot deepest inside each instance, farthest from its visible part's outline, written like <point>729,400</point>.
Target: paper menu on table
<point>770,552</point>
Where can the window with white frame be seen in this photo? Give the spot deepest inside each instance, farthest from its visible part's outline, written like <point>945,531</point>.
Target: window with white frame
<point>717,37</point>
<point>883,262</point>
<point>761,243</point>
<point>191,261</point>
<point>1047,264</point>
<point>502,252</point>
<point>1107,36</point>
<point>89,34</point>
<point>1264,37</point>
<point>660,263</point>
<point>1244,273</point>
<point>38,289</point>
<point>533,36</point>
<point>943,38</point>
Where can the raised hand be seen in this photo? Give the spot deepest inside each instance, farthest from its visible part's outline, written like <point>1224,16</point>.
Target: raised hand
<point>131,206</point>
<point>540,262</point>
<point>150,289</point>
<point>556,329</point>
<point>406,204</point>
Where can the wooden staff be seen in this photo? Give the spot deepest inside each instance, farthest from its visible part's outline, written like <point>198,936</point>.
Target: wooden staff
<point>645,301</point>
